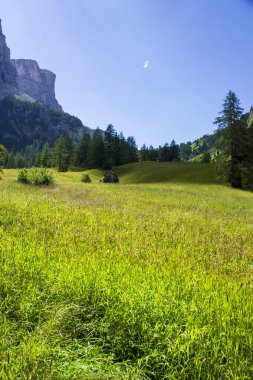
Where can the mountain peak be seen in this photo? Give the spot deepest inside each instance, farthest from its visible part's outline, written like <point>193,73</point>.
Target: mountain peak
<point>25,78</point>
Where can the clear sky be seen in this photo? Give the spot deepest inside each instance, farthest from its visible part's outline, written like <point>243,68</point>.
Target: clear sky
<point>155,69</point>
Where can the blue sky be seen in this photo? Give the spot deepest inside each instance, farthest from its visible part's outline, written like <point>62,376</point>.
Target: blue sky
<point>156,69</point>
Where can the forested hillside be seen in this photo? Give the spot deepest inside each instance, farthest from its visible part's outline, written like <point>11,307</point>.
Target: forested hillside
<point>21,123</point>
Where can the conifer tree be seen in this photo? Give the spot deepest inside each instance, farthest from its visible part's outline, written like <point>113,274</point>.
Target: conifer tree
<point>232,137</point>
<point>131,150</point>
<point>45,157</point>
<point>165,153</point>
<point>81,153</point>
<point>3,155</point>
<point>110,146</point>
<point>96,152</point>
<point>61,154</point>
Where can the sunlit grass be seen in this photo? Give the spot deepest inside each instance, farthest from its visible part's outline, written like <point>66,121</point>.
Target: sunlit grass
<point>125,281</point>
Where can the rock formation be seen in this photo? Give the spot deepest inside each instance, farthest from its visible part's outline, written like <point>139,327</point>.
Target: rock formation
<point>37,83</point>
<point>23,77</point>
<point>8,75</point>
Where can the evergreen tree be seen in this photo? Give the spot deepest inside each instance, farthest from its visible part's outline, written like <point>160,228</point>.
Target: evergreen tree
<point>144,153</point>
<point>45,157</point>
<point>185,151</point>
<point>165,153</point>
<point>70,150</point>
<point>131,150</point>
<point>10,161</point>
<point>206,157</point>
<point>152,154</point>
<point>61,154</point>
<point>19,161</point>
<point>31,154</point>
<point>123,149</point>
<point>96,153</point>
<point>110,145</point>
<point>3,155</point>
<point>232,137</point>
<point>81,153</point>
<point>174,150</point>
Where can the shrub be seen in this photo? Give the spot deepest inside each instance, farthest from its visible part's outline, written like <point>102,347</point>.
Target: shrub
<point>23,176</point>
<point>110,177</point>
<point>1,172</point>
<point>35,176</point>
<point>86,178</point>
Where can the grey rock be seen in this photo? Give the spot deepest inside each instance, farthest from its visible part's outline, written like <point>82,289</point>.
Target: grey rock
<point>8,75</point>
<point>25,79</point>
<point>39,84</point>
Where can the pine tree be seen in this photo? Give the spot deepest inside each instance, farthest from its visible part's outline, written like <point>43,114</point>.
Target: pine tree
<point>174,151</point>
<point>109,143</point>
<point>144,153</point>
<point>96,153</point>
<point>165,153</point>
<point>70,150</point>
<point>10,161</point>
<point>231,143</point>
<point>45,157</point>
<point>61,155</point>
<point>3,155</point>
<point>131,150</point>
<point>81,153</point>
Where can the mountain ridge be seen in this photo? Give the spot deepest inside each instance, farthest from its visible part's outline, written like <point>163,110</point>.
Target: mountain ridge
<point>24,78</point>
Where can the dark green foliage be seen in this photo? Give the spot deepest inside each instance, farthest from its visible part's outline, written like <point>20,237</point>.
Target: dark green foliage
<point>233,142</point>
<point>185,151</point>
<point>63,151</point>
<point>81,152</point>
<point>19,161</point>
<point>45,157</point>
<point>3,155</point>
<point>165,153</point>
<point>149,153</point>
<point>118,150</point>
<point>206,157</point>
<point>174,151</point>
<point>26,122</point>
<point>86,178</point>
<point>131,151</point>
<point>169,153</point>
<point>110,142</point>
<point>35,176</point>
<point>96,152</point>
<point>110,177</point>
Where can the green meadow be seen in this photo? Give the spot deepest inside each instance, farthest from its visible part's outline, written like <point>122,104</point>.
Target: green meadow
<point>150,278</point>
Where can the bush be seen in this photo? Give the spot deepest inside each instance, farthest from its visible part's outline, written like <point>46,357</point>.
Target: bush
<point>86,178</point>
<point>35,176</point>
<point>1,172</point>
<point>110,177</point>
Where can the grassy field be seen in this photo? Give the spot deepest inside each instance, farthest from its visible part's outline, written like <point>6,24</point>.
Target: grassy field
<point>147,279</point>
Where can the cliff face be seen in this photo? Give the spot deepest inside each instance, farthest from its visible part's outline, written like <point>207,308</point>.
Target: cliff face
<point>23,77</point>
<point>35,82</point>
<point>8,75</point>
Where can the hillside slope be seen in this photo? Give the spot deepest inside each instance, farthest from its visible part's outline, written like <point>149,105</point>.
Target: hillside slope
<point>162,172</point>
<point>23,122</point>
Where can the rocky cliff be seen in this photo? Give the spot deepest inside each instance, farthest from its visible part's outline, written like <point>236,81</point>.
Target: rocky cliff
<point>35,82</point>
<point>23,77</point>
<point>8,75</point>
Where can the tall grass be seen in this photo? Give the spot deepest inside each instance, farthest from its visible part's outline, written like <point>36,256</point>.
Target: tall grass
<point>125,281</point>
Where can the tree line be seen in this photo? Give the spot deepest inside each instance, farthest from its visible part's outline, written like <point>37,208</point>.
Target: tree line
<point>234,155</point>
<point>230,148</point>
<point>101,150</point>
